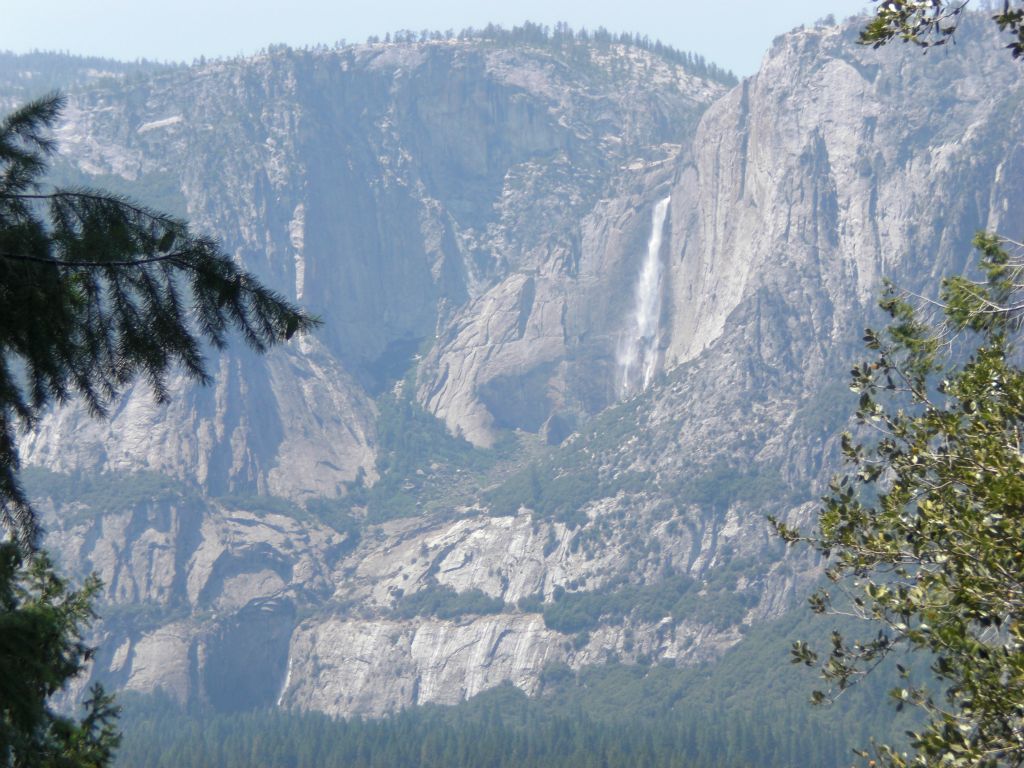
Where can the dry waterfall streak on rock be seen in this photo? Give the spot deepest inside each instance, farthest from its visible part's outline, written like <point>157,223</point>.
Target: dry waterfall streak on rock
<point>639,346</point>
<point>287,682</point>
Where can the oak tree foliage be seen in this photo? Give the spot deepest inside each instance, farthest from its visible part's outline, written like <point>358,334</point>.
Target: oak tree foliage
<point>96,290</point>
<point>924,535</point>
<point>930,23</point>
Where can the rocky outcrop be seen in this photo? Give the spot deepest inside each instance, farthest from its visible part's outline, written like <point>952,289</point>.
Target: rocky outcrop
<point>834,166</point>
<point>294,424</point>
<point>200,599</point>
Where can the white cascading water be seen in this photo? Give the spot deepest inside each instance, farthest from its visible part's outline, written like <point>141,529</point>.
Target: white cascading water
<point>639,346</point>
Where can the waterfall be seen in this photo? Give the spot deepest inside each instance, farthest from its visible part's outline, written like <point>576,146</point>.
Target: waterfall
<point>639,346</point>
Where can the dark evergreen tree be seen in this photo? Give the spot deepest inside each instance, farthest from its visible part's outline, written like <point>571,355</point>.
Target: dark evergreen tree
<point>96,291</point>
<point>42,622</point>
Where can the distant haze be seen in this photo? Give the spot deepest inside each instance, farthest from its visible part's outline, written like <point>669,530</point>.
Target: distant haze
<point>735,35</point>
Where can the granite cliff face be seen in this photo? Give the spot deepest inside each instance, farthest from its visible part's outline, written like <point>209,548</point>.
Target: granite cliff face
<point>443,195</point>
<point>662,278</point>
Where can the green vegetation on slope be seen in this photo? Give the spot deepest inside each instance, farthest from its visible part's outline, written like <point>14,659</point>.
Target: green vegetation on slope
<point>94,495</point>
<point>422,467</point>
<point>445,603</point>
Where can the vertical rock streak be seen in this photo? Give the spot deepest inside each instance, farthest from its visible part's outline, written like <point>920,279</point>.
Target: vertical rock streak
<point>297,238</point>
<point>639,345</point>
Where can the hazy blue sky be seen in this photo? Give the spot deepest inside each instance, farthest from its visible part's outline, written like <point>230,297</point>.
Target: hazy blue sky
<point>733,33</point>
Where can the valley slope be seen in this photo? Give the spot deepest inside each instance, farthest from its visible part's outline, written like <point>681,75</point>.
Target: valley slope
<point>463,480</point>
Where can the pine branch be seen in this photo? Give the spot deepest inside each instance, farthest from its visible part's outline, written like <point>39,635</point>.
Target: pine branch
<point>90,298</point>
<point>174,258</point>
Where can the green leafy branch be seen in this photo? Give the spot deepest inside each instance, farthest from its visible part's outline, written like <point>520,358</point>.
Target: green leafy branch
<point>924,534</point>
<point>931,23</point>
